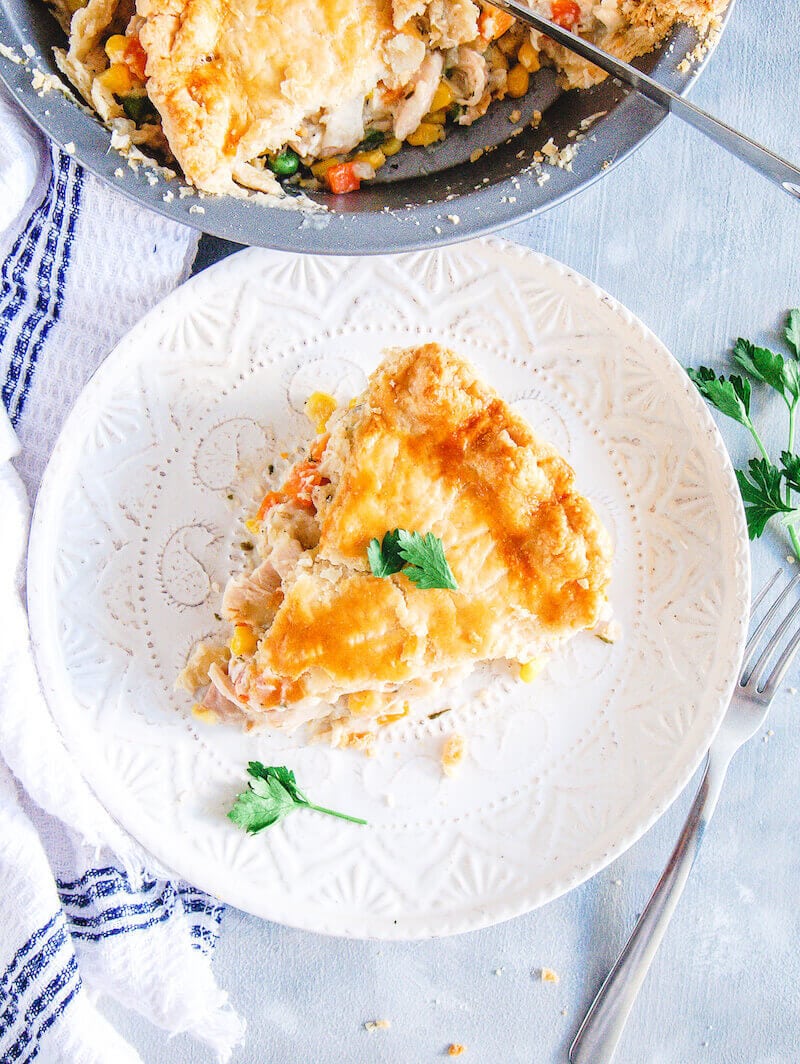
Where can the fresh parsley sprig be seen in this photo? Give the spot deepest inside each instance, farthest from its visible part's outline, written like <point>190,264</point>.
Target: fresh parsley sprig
<point>272,793</point>
<point>421,558</point>
<point>766,487</point>
<point>761,492</point>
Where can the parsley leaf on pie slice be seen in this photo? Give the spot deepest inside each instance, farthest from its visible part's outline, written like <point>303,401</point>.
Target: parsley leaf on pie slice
<point>420,557</point>
<point>384,556</point>
<point>426,564</point>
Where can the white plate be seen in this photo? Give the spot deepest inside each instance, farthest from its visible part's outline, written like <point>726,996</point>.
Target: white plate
<point>134,533</point>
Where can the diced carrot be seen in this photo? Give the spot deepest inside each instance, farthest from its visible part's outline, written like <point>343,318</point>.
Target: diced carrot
<point>272,498</point>
<point>493,23</point>
<point>342,178</point>
<point>136,58</point>
<point>318,447</point>
<point>566,13</point>
<point>301,483</point>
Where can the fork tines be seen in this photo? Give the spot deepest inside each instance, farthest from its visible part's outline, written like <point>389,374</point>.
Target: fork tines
<point>752,677</point>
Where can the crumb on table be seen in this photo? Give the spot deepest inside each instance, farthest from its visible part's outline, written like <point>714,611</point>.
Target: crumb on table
<point>377,1025</point>
<point>455,1049</point>
<point>547,975</point>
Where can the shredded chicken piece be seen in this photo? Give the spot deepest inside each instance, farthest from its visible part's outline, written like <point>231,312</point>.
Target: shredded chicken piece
<point>253,597</point>
<point>468,77</point>
<point>414,108</point>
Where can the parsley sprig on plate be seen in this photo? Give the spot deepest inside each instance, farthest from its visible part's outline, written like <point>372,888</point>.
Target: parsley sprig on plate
<point>272,793</point>
<point>421,558</point>
<point>767,488</point>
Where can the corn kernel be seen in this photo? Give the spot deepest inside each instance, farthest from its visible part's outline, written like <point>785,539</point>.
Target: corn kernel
<point>117,79</point>
<point>391,146</point>
<point>529,670</point>
<point>318,407</point>
<point>115,47</point>
<point>253,525</point>
<point>518,81</point>
<point>426,133</point>
<point>244,641</point>
<point>442,98</point>
<point>374,158</point>
<point>202,713</point>
<point>320,169</point>
<point>528,57</point>
<point>437,117</point>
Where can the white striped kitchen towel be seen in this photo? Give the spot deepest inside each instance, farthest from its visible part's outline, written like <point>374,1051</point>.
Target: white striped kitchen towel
<point>83,912</point>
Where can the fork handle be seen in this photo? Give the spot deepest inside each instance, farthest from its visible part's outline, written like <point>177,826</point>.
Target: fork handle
<point>601,1030</point>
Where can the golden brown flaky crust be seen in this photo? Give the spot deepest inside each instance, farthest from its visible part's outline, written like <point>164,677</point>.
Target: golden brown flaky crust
<point>431,448</point>
<point>233,79</point>
<point>638,28</point>
<point>236,80</point>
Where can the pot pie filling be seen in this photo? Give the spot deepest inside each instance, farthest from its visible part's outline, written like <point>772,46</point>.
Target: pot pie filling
<point>267,94</point>
<point>318,639</point>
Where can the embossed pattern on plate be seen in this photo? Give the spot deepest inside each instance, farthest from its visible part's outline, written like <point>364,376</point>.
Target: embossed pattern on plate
<point>138,525</point>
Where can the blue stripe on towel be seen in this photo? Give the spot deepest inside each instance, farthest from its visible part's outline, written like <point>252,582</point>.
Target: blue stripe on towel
<point>61,266</point>
<point>49,1020</point>
<point>120,929</point>
<point>34,277</point>
<point>91,875</point>
<point>67,978</point>
<point>30,282</point>
<point>29,947</point>
<point>13,288</point>
<point>109,891</point>
<point>49,970</point>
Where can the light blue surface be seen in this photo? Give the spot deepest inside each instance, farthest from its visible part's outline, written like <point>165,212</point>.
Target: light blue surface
<point>702,250</point>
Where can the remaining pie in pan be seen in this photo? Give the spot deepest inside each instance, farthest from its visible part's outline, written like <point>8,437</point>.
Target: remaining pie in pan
<point>246,94</point>
<point>428,529</point>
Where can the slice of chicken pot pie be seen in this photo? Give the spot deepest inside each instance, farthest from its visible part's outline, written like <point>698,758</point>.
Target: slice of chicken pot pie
<point>320,93</point>
<point>232,80</point>
<point>428,530</point>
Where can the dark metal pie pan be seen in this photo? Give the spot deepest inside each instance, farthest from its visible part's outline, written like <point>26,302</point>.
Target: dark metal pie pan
<point>418,195</point>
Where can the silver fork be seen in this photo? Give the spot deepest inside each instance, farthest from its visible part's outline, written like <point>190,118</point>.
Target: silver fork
<point>596,1041</point>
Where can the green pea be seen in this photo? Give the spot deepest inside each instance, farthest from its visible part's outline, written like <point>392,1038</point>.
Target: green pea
<point>373,139</point>
<point>285,163</point>
<point>139,108</point>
